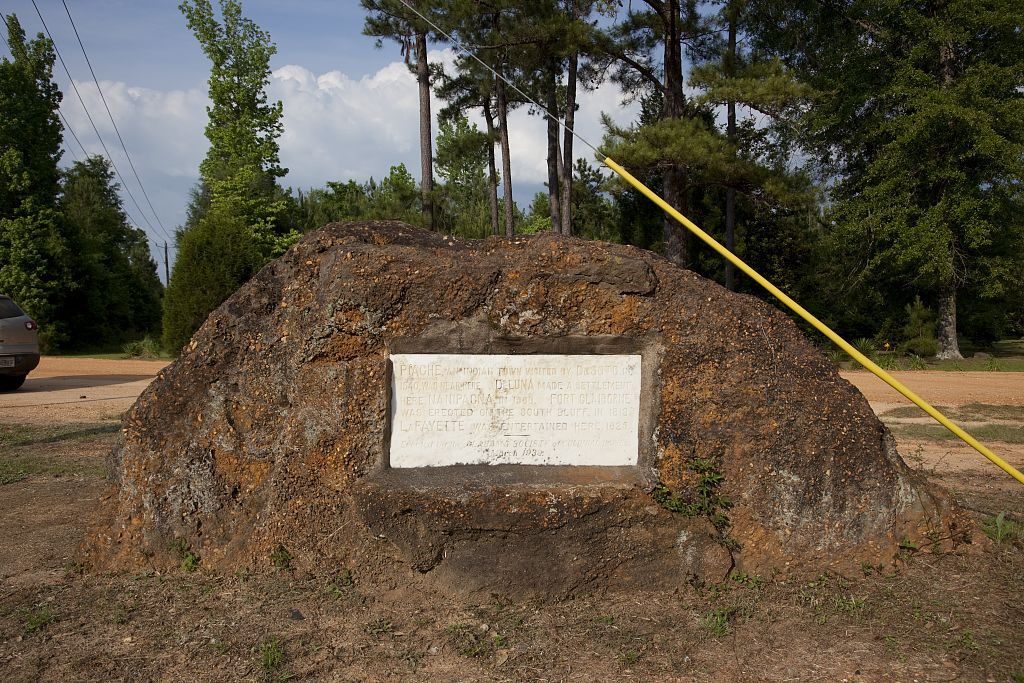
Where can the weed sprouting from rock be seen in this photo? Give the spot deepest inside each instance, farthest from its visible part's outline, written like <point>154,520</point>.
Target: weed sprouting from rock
<point>281,558</point>
<point>188,560</point>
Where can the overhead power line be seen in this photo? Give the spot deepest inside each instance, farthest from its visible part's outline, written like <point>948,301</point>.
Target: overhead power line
<point>91,121</point>
<point>68,128</point>
<point>111,116</point>
<point>67,125</point>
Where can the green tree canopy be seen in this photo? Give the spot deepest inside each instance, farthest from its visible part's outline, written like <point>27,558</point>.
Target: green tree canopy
<point>116,292</point>
<point>214,257</point>
<point>33,266</point>
<point>461,161</point>
<point>242,165</point>
<point>238,190</point>
<point>919,122</point>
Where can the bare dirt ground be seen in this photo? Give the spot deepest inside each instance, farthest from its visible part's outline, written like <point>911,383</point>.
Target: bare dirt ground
<point>78,390</point>
<point>933,617</point>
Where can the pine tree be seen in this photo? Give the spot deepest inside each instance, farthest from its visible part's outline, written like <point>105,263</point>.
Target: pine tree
<point>473,87</point>
<point>646,51</point>
<point>738,76</point>
<point>919,121</point>
<point>393,19</point>
<point>461,161</point>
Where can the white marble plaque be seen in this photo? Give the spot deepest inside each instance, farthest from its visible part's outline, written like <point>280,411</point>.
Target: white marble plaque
<point>544,409</point>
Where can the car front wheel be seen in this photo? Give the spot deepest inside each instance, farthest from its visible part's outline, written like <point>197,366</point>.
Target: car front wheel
<point>8,383</point>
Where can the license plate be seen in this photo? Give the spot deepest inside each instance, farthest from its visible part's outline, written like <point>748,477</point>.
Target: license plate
<point>6,362</point>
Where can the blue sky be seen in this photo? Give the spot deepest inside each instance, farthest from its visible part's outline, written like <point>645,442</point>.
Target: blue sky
<point>350,109</point>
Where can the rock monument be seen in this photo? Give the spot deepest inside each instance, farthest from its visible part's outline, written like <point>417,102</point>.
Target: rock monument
<point>540,415</point>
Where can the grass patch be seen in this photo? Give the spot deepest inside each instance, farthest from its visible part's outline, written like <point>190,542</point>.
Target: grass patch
<point>992,412</point>
<point>913,411</point>
<point>38,617</point>
<point>379,627</point>
<point>1001,529</point>
<point>28,435</point>
<point>994,364</point>
<point>18,460</point>
<point>716,622</point>
<point>115,354</point>
<point>1006,357</point>
<point>189,560</point>
<point>474,642</point>
<point>271,660</point>
<point>1009,347</point>
<point>987,432</point>
<point>281,558</point>
<point>15,469</point>
<point>972,412</point>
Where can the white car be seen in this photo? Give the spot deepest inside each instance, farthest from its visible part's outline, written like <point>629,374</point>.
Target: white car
<point>19,345</point>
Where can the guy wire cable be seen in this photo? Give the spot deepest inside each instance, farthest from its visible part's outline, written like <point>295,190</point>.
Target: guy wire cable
<point>111,116</point>
<point>866,362</point>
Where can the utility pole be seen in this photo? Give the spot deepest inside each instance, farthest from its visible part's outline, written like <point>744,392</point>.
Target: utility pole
<point>167,267</point>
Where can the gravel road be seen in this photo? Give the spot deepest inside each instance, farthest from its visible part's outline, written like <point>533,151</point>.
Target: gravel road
<point>76,390</point>
<point>68,390</point>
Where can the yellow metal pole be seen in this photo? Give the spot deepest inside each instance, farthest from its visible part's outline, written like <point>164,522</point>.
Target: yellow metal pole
<point>820,326</point>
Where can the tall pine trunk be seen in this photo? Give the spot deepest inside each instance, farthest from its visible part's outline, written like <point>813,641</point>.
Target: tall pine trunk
<point>570,123</point>
<point>492,171</point>
<point>554,168</point>
<point>676,238</point>
<point>506,161</point>
<point>426,148</point>
<point>730,192</point>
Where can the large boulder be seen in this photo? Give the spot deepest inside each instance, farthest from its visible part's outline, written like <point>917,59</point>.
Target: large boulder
<point>269,432</point>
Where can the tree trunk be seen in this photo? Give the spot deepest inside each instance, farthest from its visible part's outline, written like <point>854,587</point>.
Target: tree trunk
<point>506,162</point>
<point>570,123</point>
<point>492,172</point>
<point>426,148</point>
<point>554,170</point>
<point>730,193</point>
<point>949,347</point>
<point>677,248</point>
<point>677,244</point>
<point>674,98</point>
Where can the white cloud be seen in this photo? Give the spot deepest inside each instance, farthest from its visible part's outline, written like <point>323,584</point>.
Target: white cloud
<point>336,127</point>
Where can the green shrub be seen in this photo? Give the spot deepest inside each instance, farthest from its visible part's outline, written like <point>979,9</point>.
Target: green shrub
<point>919,331</point>
<point>148,348</point>
<point>214,259</point>
<point>867,347</point>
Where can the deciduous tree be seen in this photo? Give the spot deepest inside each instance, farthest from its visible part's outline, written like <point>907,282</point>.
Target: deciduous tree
<point>117,294</point>
<point>33,266</point>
